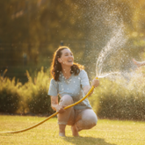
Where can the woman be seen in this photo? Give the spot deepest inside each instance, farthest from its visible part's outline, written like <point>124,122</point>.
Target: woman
<point>71,83</point>
<point>138,63</point>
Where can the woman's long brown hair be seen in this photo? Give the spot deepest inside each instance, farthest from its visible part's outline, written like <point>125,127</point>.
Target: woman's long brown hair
<point>56,66</point>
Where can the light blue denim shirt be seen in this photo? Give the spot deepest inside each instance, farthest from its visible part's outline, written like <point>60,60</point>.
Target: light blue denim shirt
<point>73,87</point>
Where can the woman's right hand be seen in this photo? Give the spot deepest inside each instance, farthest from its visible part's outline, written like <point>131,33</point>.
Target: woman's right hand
<point>95,82</point>
<point>60,109</point>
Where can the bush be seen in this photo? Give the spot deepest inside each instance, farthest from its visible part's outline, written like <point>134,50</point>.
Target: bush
<point>110,100</point>
<point>30,98</point>
<point>35,94</point>
<point>40,102</point>
<point>9,101</point>
<point>114,101</point>
<point>9,95</point>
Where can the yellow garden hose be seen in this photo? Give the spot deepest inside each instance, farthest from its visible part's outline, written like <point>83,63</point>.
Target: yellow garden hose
<point>12,132</point>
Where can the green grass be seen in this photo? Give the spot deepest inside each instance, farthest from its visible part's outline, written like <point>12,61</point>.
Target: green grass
<point>107,132</point>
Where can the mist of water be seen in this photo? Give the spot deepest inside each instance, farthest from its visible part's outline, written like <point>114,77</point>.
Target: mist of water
<point>117,41</point>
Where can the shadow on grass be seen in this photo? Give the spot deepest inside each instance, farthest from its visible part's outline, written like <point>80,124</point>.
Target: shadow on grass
<point>86,141</point>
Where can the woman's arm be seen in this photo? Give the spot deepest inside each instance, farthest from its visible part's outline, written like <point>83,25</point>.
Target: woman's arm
<point>55,106</point>
<point>94,83</point>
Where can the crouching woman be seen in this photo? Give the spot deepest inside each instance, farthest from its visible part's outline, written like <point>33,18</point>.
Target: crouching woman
<point>71,83</point>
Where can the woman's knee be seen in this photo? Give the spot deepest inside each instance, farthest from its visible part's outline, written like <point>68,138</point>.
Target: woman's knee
<point>91,122</point>
<point>86,123</point>
<point>66,100</point>
<point>90,119</point>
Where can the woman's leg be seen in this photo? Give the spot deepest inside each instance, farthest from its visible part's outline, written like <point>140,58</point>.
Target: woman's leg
<point>67,117</point>
<point>85,119</point>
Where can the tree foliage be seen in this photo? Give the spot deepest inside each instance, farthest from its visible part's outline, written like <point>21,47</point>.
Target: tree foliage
<point>34,29</point>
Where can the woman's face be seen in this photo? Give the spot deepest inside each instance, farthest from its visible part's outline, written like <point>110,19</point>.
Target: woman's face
<point>66,57</point>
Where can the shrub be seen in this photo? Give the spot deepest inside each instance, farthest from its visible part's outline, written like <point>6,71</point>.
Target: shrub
<point>40,102</point>
<point>36,94</point>
<point>9,101</point>
<point>9,95</point>
<point>115,101</point>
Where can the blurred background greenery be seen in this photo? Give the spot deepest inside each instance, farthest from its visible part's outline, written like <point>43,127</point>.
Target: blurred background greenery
<point>30,32</point>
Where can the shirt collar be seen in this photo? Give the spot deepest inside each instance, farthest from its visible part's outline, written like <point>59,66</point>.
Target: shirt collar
<point>61,76</point>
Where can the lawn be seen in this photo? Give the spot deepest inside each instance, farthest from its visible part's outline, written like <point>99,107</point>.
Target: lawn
<point>107,132</point>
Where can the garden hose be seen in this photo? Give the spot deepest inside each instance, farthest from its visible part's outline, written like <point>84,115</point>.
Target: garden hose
<point>19,131</point>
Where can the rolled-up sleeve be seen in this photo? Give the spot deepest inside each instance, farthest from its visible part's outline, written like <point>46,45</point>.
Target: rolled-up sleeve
<point>53,88</point>
<point>84,79</point>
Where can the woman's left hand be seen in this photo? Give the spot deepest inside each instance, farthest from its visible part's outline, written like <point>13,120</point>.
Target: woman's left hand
<point>95,82</point>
